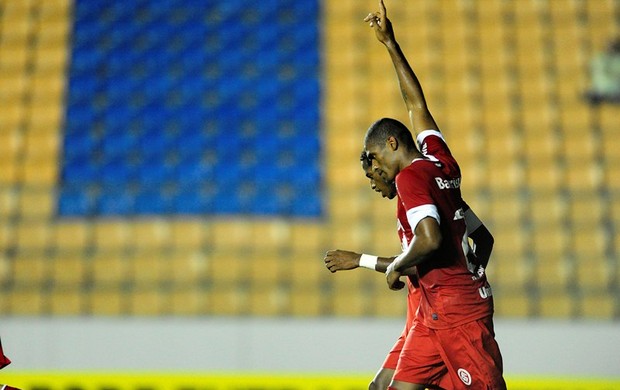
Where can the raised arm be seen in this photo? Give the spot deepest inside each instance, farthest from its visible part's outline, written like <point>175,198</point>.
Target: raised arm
<point>419,115</point>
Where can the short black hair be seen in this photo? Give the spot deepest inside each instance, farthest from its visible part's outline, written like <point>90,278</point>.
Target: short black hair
<point>384,128</point>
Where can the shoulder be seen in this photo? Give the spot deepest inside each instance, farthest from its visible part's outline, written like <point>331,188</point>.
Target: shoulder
<point>420,170</point>
<point>431,140</point>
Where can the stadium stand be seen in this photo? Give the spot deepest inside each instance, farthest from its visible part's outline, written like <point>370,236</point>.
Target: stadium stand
<point>159,159</point>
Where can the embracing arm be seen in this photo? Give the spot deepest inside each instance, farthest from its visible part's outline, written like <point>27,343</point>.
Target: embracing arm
<point>425,243</point>
<point>341,260</point>
<point>419,115</point>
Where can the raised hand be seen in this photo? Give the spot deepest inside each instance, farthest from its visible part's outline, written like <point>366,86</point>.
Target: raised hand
<point>381,24</point>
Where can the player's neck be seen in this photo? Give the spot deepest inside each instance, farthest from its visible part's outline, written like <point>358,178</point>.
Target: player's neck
<point>408,157</point>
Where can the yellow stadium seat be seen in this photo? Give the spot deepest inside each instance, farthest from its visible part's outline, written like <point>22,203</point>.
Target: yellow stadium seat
<point>266,267</point>
<point>584,176</point>
<point>69,270</point>
<point>31,269</point>
<point>149,302</point>
<point>599,306</point>
<point>46,115</point>
<point>111,235</point>
<point>553,271</point>
<point>608,119</point>
<point>72,235</point>
<point>188,301</point>
<point>228,267</point>
<point>8,202</point>
<point>267,300</point>
<point>107,302</point>
<point>593,272</point>
<point>148,267</point>
<point>47,89</point>
<point>513,304</point>
<point>13,57</point>
<point>388,303</point>
<point>12,114</point>
<point>544,179</point>
<point>574,118</point>
<point>306,301</point>
<point>37,204</point>
<point>586,211</point>
<point>506,177</point>
<point>41,171</point>
<point>10,143</point>
<point>307,236</point>
<point>590,241</point>
<point>27,302</point>
<point>547,210</point>
<point>35,235</point>
<point>350,302</point>
<point>508,208</point>
<point>306,269</point>
<point>189,267</point>
<point>110,269</point>
<point>188,234</point>
<point>558,305</point>
<point>151,234</point>
<point>550,240</point>
<point>579,147</point>
<point>50,56</point>
<point>228,300</point>
<point>610,148</point>
<point>67,302</point>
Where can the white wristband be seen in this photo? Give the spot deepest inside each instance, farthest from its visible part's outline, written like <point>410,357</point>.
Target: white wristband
<point>368,261</point>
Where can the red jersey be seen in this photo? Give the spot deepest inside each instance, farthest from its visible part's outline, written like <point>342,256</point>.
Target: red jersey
<point>413,286</point>
<point>452,293</point>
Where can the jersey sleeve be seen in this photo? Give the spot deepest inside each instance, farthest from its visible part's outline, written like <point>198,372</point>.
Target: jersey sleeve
<point>432,145</point>
<point>431,142</point>
<point>414,192</point>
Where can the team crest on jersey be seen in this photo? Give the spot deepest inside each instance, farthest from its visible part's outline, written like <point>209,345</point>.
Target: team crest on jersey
<point>465,376</point>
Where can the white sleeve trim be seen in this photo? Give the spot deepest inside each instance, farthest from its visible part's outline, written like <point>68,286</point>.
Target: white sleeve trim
<point>426,133</point>
<point>472,221</point>
<point>416,214</point>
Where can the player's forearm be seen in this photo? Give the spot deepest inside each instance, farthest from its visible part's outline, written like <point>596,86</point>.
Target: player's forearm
<point>421,250</point>
<point>383,263</point>
<point>410,87</point>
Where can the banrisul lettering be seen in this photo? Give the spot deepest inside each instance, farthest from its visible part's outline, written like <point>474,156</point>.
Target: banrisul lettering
<point>445,184</point>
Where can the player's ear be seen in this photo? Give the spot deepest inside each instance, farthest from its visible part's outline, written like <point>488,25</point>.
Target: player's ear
<point>392,143</point>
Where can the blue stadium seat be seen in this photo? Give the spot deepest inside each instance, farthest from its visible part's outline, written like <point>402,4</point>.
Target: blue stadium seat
<point>78,171</point>
<point>74,202</point>
<point>115,173</point>
<point>167,96</point>
<point>153,202</point>
<point>115,202</point>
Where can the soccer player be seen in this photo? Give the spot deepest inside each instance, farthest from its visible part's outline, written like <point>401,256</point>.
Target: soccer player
<point>453,338</point>
<point>339,260</point>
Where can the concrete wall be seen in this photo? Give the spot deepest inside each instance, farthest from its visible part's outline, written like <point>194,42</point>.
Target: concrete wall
<point>285,345</point>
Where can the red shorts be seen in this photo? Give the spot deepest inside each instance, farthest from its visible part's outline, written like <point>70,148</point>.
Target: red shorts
<point>464,357</point>
<point>391,359</point>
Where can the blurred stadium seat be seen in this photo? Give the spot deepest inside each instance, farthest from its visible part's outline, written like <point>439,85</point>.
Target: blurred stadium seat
<point>159,158</point>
